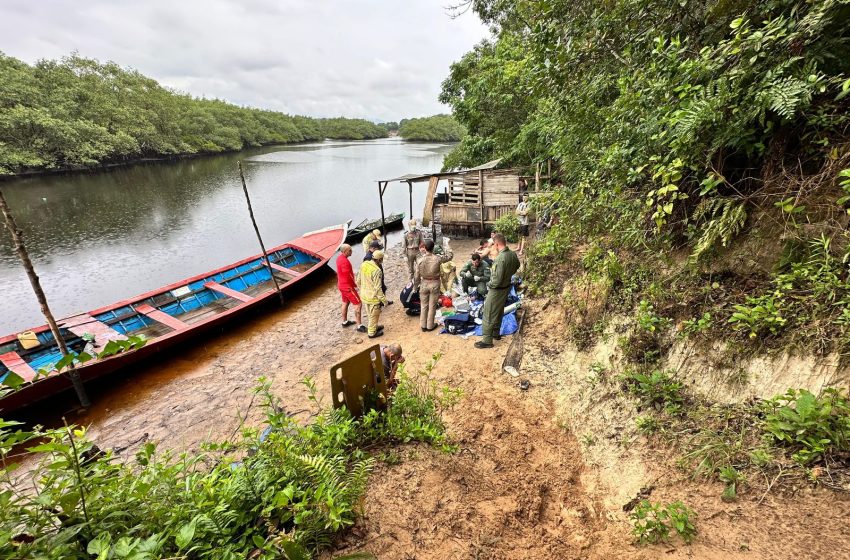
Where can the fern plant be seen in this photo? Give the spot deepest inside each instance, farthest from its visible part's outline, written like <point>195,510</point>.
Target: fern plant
<point>722,218</point>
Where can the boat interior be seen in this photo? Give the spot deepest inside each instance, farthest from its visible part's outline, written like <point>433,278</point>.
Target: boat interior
<point>159,314</point>
<point>37,350</point>
<point>175,309</point>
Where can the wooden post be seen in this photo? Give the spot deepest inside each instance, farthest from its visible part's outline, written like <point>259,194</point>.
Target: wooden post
<point>20,248</point>
<point>428,212</point>
<point>537,176</point>
<point>410,192</point>
<point>481,198</point>
<point>381,189</point>
<point>257,231</point>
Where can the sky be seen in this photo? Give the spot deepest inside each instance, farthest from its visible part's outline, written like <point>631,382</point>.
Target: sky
<point>381,60</point>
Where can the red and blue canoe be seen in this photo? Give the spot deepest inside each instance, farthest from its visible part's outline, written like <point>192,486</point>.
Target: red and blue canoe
<point>164,317</point>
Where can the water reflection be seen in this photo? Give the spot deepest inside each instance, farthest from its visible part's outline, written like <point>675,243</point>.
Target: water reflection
<point>97,238</point>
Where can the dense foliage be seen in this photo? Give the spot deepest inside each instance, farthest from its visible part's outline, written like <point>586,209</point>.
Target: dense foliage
<point>681,127</point>
<point>390,126</point>
<point>439,128</point>
<point>79,112</point>
<point>280,493</point>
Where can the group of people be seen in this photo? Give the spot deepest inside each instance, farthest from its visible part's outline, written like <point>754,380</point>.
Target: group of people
<point>489,271</point>
<point>370,288</point>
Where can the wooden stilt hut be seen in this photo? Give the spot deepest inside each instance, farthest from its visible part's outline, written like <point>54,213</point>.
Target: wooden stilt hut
<point>471,199</point>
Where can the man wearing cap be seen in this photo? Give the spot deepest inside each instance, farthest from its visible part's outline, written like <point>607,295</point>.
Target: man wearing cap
<point>427,280</point>
<point>505,266</point>
<point>412,240</point>
<point>475,273</point>
<point>374,235</point>
<point>348,287</point>
<point>372,293</point>
<point>376,246</point>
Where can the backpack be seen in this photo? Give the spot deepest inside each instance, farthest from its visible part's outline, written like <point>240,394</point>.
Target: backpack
<point>459,323</point>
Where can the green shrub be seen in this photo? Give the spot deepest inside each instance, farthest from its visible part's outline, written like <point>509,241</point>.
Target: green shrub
<point>279,496</point>
<point>602,264</point>
<point>417,410</point>
<point>648,320</point>
<point>654,390</point>
<point>508,225</point>
<point>812,426</point>
<point>760,315</point>
<point>696,325</point>
<point>646,424</point>
<point>653,522</point>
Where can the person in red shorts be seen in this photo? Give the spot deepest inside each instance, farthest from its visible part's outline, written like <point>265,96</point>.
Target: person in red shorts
<point>348,288</point>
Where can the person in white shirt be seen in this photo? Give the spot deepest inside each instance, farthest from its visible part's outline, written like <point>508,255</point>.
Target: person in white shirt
<point>522,211</point>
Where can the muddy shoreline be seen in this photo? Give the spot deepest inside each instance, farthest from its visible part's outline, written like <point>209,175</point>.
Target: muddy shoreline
<point>524,482</point>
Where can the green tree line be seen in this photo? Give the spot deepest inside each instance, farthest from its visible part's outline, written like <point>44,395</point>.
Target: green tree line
<point>442,128</point>
<point>78,112</point>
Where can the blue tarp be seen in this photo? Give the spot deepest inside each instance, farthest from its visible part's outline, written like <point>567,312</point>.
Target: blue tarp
<point>509,325</point>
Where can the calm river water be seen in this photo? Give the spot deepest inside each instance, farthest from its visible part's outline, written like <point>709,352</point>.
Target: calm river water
<point>98,238</point>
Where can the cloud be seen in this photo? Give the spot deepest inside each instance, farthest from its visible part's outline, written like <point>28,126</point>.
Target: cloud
<point>376,59</point>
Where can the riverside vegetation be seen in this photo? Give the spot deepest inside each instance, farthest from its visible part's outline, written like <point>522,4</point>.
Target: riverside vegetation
<point>282,492</point>
<point>703,152</point>
<point>78,113</point>
<point>437,128</point>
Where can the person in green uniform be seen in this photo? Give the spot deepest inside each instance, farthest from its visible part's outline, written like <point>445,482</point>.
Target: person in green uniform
<point>476,273</point>
<point>505,266</point>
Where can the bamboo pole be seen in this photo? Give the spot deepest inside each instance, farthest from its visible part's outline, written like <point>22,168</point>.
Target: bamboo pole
<point>410,193</point>
<point>20,248</point>
<point>381,190</point>
<point>257,231</point>
<point>481,199</point>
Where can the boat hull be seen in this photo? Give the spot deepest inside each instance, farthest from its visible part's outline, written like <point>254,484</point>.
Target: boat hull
<point>359,232</point>
<point>320,245</point>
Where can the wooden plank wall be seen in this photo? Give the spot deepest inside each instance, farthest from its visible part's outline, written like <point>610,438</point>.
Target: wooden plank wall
<point>496,212</point>
<point>500,187</point>
<point>457,213</point>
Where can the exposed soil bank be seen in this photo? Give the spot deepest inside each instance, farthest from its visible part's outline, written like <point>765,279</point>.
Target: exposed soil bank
<point>522,485</point>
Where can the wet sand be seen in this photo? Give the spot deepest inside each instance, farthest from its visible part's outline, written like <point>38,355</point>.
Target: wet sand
<point>204,392</point>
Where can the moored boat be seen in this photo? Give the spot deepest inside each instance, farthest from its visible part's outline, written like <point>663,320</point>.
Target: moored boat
<point>393,221</point>
<point>162,318</point>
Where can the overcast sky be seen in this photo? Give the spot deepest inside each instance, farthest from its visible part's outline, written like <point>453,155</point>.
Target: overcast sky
<point>375,59</point>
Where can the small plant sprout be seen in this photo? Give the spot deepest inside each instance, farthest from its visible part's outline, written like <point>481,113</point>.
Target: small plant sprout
<point>646,424</point>
<point>733,480</point>
<point>653,522</point>
<point>648,320</point>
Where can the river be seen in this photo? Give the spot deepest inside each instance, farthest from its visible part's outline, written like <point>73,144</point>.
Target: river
<point>96,238</point>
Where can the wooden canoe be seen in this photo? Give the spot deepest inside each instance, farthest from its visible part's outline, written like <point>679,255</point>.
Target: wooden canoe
<point>164,317</point>
<point>359,231</point>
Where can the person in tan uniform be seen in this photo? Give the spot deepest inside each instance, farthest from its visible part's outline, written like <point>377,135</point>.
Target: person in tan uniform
<point>427,280</point>
<point>412,241</point>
